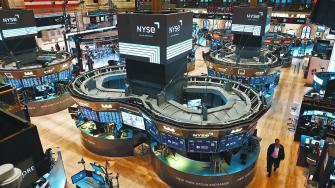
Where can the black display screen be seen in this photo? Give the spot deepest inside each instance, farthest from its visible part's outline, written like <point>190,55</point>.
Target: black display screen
<point>12,19</point>
<point>202,146</point>
<point>173,141</point>
<point>48,20</point>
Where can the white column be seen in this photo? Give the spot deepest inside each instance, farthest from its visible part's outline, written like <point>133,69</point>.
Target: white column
<point>331,67</point>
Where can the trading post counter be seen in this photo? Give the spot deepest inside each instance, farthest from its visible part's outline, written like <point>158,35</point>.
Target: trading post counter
<point>107,144</point>
<point>180,171</point>
<point>51,104</point>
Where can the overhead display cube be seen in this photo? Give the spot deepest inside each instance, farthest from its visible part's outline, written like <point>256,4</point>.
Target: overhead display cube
<point>155,38</point>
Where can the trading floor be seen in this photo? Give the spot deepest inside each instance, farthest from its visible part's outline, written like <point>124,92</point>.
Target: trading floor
<point>59,130</point>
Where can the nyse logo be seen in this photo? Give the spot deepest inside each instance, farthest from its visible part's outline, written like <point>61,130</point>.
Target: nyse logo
<point>11,20</point>
<point>254,16</point>
<point>148,29</point>
<point>176,28</point>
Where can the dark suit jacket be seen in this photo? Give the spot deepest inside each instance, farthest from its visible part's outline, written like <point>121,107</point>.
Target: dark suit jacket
<point>281,154</point>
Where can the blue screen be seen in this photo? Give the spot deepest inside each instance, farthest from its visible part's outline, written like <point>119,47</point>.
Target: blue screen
<point>173,141</point>
<point>79,176</point>
<point>64,75</point>
<point>30,82</point>
<point>151,128</point>
<point>202,146</point>
<point>109,117</point>
<point>89,114</point>
<point>231,141</point>
<point>14,83</point>
<point>98,178</point>
<point>49,78</point>
<point>97,168</point>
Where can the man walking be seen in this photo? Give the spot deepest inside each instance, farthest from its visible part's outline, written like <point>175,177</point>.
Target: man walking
<point>275,154</point>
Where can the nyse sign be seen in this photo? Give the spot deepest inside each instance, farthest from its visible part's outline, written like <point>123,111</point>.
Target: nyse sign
<point>147,30</point>
<point>175,29</point>
<point>11,20</point>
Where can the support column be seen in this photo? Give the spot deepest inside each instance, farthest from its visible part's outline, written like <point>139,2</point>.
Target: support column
<point>331,67</point>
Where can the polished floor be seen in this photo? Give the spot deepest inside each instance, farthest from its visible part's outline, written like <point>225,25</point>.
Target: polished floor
<point>58,130</point>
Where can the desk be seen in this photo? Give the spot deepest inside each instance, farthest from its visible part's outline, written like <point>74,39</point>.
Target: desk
<point>179,171</point>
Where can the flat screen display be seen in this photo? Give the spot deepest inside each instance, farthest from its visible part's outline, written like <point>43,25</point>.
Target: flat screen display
<point>89,114</point>
<point>79,176</point>
<point>97,168</point>
<point>202,146</point>
<point>12,19</point>
<point>151,128</point>
<point>51,78</point>
<point>111,117</point>
<point>194,104</point>
<point>31,82</point>
<point>98,178</point>
<point>231,141</point>
<point>133,120</point>
<point>173,141</point>
<point>14,83</point>
<point>64,75</point>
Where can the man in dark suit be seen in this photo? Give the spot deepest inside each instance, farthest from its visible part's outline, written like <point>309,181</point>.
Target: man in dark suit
<point>275,154</point>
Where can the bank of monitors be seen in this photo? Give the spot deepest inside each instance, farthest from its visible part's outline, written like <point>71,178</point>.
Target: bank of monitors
<point>46,79</point>
<point>173,141</point>
<point>51,78</point>
<point>89,114</point>
<point>231,141</point>
<point>31,82</point>
<point>107,117</point>
<point>133,120</point>
<point>65,75</point>
<point>202,146</point>
<point>14,83</point>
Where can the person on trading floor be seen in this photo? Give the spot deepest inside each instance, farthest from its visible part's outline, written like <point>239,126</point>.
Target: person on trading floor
<point>275,154</point>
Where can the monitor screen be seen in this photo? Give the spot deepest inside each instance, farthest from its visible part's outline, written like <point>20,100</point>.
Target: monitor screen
<point>79,176</point>
<point>30,82</point>
<point>98,178</point>
<point>64,75</point>
<point>49,78</point>
<point>110,117</point>
<point>194,104</point>
<point>202,146</point>
<point>89,114</point>
<point>151,128</point>
<point>133,120</point>
<point>14,83</point>
<point>173,141</point>
<point>231,141</point>
<point>96,168</point>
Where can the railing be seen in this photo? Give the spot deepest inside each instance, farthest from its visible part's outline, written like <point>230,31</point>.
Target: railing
<point>210,56</point>
<point>258,107</point>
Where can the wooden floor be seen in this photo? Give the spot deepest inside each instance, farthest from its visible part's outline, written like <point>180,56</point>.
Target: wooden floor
<point>58,130</point>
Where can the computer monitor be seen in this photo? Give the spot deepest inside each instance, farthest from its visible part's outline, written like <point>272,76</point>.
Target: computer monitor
<point>97,168</point>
